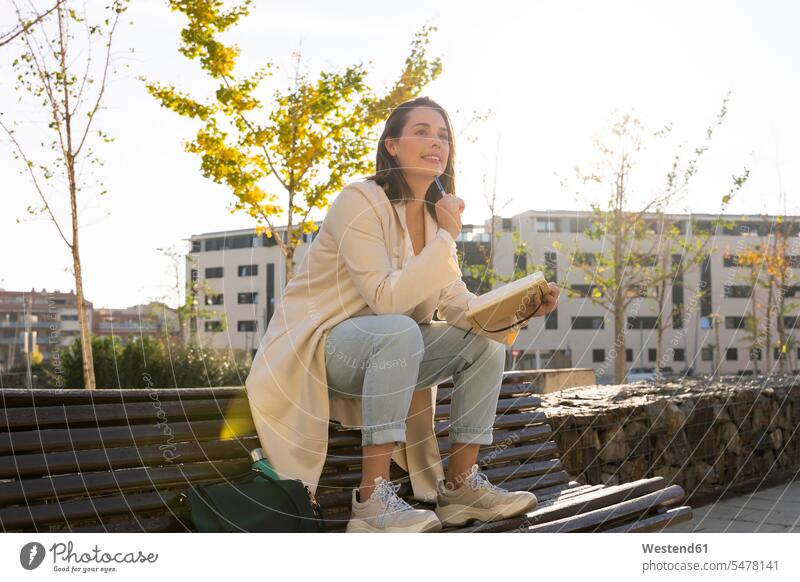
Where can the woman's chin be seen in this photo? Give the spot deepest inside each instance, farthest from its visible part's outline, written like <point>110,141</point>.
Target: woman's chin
<point>425,171</point>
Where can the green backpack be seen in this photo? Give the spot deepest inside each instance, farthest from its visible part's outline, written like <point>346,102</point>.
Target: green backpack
<point>256,501</point>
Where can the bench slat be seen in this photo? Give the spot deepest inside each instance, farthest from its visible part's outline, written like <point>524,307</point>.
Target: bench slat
<point>61,486</point>
<point>66,511</point>
<point>96,414</point>
<point>123,457</point>
<point>657,522</point>
<point>591,519</point>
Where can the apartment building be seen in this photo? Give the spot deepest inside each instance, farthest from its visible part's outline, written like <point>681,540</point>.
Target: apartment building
<point>49,320</point>
<point>580,333</point>
<point>153,319</point>
<point>44,319</point>
<point>243,279</point>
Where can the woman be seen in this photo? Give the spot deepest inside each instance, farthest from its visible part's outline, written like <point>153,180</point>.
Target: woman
<point>353,340</point>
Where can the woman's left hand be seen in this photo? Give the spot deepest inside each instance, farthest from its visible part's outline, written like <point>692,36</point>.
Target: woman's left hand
<point>543,305</point>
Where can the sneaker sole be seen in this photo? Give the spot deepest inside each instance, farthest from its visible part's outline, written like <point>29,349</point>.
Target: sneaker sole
<point>361,526</point>
<point>451,515</point>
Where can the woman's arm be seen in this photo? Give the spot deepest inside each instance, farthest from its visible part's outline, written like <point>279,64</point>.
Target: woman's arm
<point>356,227</point>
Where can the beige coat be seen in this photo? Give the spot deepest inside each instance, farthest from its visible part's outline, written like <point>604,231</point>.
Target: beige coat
<point>360,263</point>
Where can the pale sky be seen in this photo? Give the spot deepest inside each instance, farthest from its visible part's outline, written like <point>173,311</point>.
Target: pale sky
<point>551,73</point>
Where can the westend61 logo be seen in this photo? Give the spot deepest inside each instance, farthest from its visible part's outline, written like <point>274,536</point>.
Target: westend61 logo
<point>65,559</point>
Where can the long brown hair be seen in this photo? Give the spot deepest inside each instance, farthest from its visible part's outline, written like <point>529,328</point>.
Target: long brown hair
<point>388,173</point>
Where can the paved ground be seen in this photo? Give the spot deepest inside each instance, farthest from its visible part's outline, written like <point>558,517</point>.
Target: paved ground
<point>776,509</point>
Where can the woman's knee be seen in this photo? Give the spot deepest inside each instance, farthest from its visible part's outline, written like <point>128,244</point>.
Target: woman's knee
<point>399,331</point>
<point>490,351</point>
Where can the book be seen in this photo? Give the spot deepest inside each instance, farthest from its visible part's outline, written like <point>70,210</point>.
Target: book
<point>505,307</point>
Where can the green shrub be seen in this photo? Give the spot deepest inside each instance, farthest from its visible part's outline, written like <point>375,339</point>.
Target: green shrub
<point>147,362</point>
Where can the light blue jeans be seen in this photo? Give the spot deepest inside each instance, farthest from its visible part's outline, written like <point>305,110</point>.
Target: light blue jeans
<point>382,359</point>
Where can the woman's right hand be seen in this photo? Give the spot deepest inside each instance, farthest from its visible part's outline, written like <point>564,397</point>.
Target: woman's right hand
<point>448,213</point>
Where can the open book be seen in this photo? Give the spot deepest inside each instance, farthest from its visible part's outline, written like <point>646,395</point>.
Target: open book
<point>505,306</point>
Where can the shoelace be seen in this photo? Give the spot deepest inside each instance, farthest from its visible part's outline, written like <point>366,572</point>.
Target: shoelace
<point>478,480</point>
<point>386,491</point>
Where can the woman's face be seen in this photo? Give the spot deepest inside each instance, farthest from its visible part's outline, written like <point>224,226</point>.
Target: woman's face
<point>423,148</point>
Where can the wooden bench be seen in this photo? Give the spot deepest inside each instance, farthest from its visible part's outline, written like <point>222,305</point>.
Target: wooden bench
<point>118,461</point>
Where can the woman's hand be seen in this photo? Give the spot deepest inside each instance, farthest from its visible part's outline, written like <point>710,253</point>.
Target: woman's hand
<point>545,304</point>
<point>448,213</point>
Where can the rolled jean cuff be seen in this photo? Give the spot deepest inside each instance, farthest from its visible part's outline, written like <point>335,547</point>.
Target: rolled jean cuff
<point>469,435</point>
<point>382,434</point>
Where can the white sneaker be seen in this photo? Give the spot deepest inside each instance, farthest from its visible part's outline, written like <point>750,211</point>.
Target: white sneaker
<point>384,511</point>
<point>477,498</point>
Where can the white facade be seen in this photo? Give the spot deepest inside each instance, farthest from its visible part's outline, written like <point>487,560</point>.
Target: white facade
<point>537,345</point>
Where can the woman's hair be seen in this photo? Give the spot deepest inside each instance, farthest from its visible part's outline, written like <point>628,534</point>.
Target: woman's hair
<point>388,173</point>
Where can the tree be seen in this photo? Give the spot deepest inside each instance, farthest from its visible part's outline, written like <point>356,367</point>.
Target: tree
<point>70,89</point>
<point>22,26</point>
<point>308,140</point>
<point>189,308</point>
<point>754,259</point>
<point>782,271</point>
<point>770,268</point>
<point>628,270</point>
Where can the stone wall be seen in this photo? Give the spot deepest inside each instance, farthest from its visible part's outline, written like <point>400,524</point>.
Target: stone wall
<point>709,437</point>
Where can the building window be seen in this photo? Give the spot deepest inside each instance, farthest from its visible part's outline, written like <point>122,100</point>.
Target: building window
<point>521,262</point>
<point>588,322</point>
<point>642,322</point>
<point>583,290</point>
<point>581,258</point>
<point>651,354</point>
<point>738,291</point>
<point>735,322</point>
<point>598,355</point>
<point>247,298</point>
<point>246,325</point>
<point>507,224</point>
<point>628,355</point>
<point>732,354</point>
<point>730,260</point>
<point>707,354</point>
<point>196,246</point>
<point>679,355</point>
<point>551,267</point>
<point>216,299</point>
<point>213,326</point>
<point>755,354</point>
<point>551,320</point>
<point>213,272</point>
<point>545,225</point>
<point>65,317</point>
<point>706,306</point>
<point>791,322</point>
<point>193,275</point>
<point>248,270</point>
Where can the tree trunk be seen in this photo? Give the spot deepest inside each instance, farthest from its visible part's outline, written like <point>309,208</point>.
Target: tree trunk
<point>768,327</point>
<point>86,338</point>
<point>289,272</point>
<point>781,329</point>
<point>756,332</point>
<point>718,348</point>
<point>620,365</point>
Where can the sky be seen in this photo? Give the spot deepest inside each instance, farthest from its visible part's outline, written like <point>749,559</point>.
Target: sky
<point>550,73</point>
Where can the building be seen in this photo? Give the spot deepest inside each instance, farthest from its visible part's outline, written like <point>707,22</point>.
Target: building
<point>153,319</point>
<point>48,319</point>
<point>580,333</point>
<point>243,279</point>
